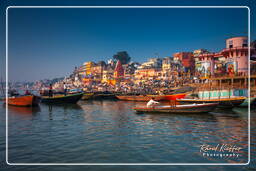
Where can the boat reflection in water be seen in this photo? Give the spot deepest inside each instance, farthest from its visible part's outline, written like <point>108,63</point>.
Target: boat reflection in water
<point>24,110</point>
<point>61,108</point>
<point>110,131</point>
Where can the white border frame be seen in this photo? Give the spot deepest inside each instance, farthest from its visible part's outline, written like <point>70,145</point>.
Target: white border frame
<point>7,80</point>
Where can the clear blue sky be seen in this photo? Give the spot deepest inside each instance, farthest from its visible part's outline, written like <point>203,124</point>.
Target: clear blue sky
<point>48,43</point>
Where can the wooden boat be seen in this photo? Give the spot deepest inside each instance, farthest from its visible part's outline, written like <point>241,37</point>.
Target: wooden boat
<point>183,109</point>
<point>26,101</point>
<point>103,95</point>
<point>87,96</point>
<point>174,96</point>
<point>247,101</point>
<point>57,99</point>
<point>223,102</point>
<point>142,98</point>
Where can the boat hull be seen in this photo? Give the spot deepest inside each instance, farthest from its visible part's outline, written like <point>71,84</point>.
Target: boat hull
<point>223,103</point>
<point>142,98</point>
<point>183,109</point>
<point>174,96</point>
<point>71,98</point>
<point>87,96</point>
<point>247,101</point>
<point>103,96</point>
<point>25,101</point>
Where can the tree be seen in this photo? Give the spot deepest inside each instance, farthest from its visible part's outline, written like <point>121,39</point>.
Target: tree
<point>123,57</point>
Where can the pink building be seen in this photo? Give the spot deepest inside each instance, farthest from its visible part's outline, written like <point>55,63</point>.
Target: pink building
<point>237,51</point>
<point>234,58</point>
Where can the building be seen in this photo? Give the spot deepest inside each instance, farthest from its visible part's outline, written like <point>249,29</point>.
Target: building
<point>152,63</point>
<point>108,75</point>
<point>232,60</point>
<point>88,67</point>
<point>129,70</point>
<point>236,53</point>
<point>186,59</point>
<point>119,71</point>
<point>147,74</point>
<point>167,63</point>
<point>97,70</point>
<point>253,51</point>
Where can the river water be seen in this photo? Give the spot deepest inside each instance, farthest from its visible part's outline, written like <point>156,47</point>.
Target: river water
<point>111,132</point>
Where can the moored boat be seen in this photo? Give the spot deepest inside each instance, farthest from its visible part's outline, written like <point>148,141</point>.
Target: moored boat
<point>87,96</point>
<point>223,102</point>
<point>103,95</point>
<point>145,98</point>
<point>248,101</point>
<point>26,101</point>
<point>142,98</point>
<point>183,109</point>
<point>174,96</point>
<point>57,99</point>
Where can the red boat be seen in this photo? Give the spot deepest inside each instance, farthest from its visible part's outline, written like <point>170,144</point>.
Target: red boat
<point>29,100</point>
<point>174,96</point>
<point>148,97</point>
<point>142,98</point>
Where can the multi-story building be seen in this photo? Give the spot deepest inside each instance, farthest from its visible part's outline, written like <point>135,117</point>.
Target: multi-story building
<point>170,67</point>
<point>236,53</point>
<point>167,63</point>
<point>186,59</point>
<point>147,74</point>
<point>88,67</point>
<point>151,63</point>
<point>119,71</point>
<point>97,70</point>
<point>233,59</point>
<point>108,75</point>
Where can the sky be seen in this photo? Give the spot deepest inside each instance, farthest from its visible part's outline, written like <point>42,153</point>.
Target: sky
<point>47,43</point>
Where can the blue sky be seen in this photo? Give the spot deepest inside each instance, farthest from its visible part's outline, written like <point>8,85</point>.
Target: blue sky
<point>48,43</point>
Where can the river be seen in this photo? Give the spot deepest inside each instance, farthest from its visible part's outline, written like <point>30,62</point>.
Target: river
<point>111,132</point>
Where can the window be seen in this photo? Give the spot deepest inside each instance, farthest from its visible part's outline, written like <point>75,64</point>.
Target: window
<point>230,43</point>
<point>245,43</point>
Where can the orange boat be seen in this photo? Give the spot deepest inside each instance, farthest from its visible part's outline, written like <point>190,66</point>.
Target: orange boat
<point>141,98</point>
<point>174,96</point>
<point>148,97</point>
<point>29,100</point>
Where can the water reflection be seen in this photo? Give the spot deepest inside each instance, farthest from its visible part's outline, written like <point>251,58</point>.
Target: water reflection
<point>111,131</point>
<point>24,110</point>
<point>65,108</point>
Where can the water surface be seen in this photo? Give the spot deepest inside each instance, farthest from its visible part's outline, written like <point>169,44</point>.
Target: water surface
<point>111,132</point>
